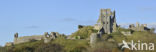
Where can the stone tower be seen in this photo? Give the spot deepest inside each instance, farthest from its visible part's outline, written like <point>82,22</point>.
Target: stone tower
<point>106,22</point>
<point>15,38</point>
<point>46,37</point>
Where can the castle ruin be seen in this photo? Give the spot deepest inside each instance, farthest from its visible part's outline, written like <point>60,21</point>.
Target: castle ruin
<point>106,22</point>
<point>46,37</point>
<point>138,27</point>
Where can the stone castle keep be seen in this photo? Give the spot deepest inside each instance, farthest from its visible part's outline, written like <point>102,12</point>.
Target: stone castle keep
<point>106,24</point>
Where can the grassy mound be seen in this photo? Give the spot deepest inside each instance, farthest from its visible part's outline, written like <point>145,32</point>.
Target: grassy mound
<point>84,32</point>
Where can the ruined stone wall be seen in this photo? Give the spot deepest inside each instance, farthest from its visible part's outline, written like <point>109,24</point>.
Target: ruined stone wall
<point>27,39</point>
<point>138,27</point>
<point>46,37</point>
<point>93,39</point>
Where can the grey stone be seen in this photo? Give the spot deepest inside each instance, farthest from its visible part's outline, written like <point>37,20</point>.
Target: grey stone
<point>93,39</point>
<point>127,33</point>
<point>46,37</point>
<point>138,27</point>
<point>9,44</point>
<point>106,22</point>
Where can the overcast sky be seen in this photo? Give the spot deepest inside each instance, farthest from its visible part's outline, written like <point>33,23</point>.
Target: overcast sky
<point>34,17</point>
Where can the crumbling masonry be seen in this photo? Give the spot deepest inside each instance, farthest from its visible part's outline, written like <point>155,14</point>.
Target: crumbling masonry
<point>46,37</point>
<point>106,22</point>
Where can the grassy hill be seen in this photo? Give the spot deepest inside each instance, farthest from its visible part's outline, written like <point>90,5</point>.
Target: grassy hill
<point>107,43</point>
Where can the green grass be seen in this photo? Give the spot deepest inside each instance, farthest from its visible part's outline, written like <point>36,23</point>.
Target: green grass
<point>123,29</point>
<point>72,45</point>
<point>61,44</point>
<point>84,32</point>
